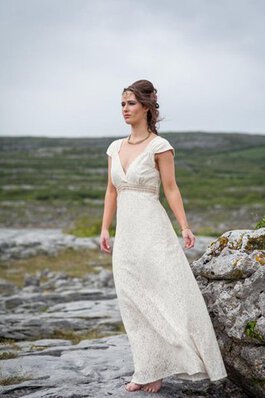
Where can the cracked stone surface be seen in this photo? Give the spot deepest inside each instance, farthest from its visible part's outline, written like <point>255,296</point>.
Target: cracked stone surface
<point>231,275</point>
<point>40,362</point>
<point>26,242</point>
<point>93,368</point>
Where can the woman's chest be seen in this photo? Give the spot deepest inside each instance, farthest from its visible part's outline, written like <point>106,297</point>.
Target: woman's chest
<point>142,169</point>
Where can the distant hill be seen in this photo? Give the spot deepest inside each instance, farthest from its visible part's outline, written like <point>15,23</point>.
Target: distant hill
<point>56,182</point>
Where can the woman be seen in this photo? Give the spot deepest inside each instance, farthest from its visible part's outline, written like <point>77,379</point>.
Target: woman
<point>162,308</point>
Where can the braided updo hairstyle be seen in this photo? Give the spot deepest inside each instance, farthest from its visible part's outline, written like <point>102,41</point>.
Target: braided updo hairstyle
<point>145,93</point>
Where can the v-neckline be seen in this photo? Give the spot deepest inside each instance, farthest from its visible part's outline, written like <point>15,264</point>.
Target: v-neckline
<point>140,154</point>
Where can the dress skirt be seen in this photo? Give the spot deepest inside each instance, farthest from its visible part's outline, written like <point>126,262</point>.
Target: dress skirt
<point>162,308</point>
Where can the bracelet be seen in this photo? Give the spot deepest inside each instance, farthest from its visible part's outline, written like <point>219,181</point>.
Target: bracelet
<point>182,229</point>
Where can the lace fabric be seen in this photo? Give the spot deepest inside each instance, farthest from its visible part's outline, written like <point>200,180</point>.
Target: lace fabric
<point>163,311</point>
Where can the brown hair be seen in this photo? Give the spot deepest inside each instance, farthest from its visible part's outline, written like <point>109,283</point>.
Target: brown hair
<point>145,93</point>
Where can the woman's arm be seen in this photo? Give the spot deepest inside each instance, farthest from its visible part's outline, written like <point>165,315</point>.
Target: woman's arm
<point>165,162</point>
<point>110,206</point>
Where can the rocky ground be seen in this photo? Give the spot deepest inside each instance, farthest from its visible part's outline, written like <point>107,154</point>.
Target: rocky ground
<point>93,368</point>
<point>28,242</point>
<point>62,336</point>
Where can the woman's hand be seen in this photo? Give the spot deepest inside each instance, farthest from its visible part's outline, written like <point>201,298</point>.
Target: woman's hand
<point>189,238</point>
<point>105,241</point>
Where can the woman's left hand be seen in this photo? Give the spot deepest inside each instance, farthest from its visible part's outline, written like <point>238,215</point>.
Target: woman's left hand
<point>189,238</point>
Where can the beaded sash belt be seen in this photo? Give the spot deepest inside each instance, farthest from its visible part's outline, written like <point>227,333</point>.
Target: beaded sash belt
<point>137,187</point>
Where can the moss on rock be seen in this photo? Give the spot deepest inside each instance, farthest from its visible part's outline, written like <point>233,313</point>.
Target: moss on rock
<point>255,243</point>
<point>251,332</point>
<point>260,258</point>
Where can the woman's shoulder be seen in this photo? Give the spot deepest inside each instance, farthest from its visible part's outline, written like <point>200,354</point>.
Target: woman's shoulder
<point>162,144</point>
<point>113,146</point>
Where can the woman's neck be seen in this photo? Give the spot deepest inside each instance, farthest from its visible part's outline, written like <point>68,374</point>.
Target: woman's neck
<point>139,132</point>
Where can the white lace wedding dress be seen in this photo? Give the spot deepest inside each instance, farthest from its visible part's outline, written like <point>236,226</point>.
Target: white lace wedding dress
<point>163,311</point>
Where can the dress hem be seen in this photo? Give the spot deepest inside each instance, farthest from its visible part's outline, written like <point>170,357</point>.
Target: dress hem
<point>167,374</point>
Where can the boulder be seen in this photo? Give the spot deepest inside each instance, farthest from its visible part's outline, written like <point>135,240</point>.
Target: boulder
<point>231,275</point>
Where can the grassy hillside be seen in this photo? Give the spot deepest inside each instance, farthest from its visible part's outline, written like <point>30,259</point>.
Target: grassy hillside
<point>61,182</point>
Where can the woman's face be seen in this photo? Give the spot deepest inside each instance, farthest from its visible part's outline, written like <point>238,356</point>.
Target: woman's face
<point>133,111</point>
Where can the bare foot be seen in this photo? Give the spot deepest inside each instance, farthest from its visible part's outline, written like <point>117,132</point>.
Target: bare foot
<point>133,386</point>
<point>154,386</point>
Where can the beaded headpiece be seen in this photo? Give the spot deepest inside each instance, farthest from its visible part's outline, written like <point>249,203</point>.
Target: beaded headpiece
<point>152,94</point>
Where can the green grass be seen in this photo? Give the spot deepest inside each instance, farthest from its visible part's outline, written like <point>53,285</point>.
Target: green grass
<point>84,228</point>
<point>261,223</point>
<point>76,337</point>
<point>225,170</point>
<point>75,263</point>
<point>8,355</point>
<point>252,332</point>
<point>7,381</point>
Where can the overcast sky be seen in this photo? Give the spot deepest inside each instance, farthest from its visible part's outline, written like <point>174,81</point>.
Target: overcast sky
<point>64,64</point>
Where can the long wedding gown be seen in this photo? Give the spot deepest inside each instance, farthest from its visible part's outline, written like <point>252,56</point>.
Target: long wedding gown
<point>163,311</point>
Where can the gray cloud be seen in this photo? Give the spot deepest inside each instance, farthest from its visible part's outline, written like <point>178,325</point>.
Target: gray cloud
<point>64,64</point>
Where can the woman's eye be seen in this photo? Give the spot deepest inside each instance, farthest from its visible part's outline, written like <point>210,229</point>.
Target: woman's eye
<point>129,103</point>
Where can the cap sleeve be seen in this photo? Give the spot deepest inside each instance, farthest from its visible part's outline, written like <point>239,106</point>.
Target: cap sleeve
<point>110,149</point>
<point>163,145</point>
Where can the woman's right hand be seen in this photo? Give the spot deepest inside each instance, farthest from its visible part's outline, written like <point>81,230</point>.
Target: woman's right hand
<point>105,241</point>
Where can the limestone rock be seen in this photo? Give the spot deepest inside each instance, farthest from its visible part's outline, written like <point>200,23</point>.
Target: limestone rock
<point>93,368</point>
<point>231,275</point>
<point>53,310</point>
